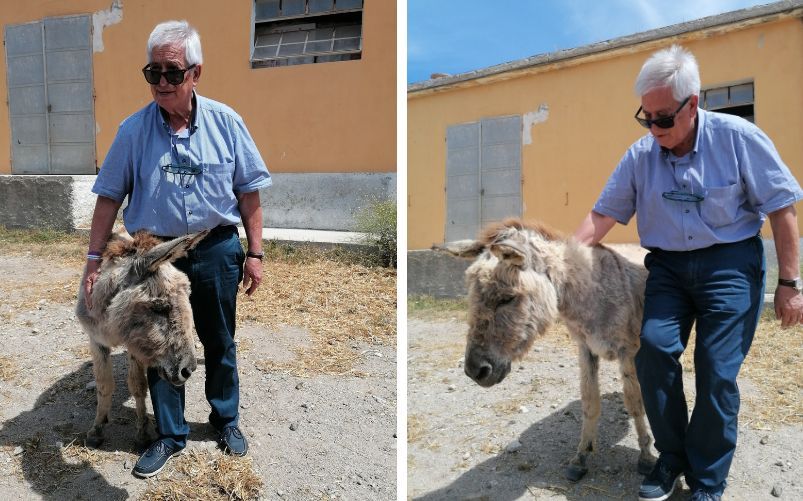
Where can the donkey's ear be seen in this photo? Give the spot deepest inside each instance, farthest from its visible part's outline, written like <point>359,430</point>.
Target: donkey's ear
<point>508,251</point>
<point>468,249</point>
<point>170,250</point>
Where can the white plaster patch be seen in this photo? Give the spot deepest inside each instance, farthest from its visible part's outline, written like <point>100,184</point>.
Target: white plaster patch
<point>103,18</point>
<point>531,118</point>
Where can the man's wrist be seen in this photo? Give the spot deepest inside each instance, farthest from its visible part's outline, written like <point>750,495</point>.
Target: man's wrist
<point>794,283</point>
<point>256,255</point>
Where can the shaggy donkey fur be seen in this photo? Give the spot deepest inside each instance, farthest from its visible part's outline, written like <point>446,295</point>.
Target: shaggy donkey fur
<point>140,300</point>
<point>523,279</point>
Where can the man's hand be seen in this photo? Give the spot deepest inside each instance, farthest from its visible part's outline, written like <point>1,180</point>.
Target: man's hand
<point>788,306</point>
<point>90,277</point>
<point>252,275</point>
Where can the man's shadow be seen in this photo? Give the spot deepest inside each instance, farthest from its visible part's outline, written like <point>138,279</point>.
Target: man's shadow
<point>547,447</point>
<point>61,416</point>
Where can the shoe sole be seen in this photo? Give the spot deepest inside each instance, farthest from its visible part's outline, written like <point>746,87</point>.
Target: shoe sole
<point>149,475</point>
<point>665,496</point>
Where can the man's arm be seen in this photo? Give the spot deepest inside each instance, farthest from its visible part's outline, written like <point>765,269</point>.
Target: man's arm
<point>251,213</point>
<point>788,302</point>
<point>594,228</point>
<point>102,222</point>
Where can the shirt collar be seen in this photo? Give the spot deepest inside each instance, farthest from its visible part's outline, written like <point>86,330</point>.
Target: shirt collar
<point>193,115</point>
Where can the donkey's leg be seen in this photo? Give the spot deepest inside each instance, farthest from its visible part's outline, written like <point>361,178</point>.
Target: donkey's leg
<point>138,387</point>
<point>589,395</point>
<point>635,407</point>
<point>104,380</point>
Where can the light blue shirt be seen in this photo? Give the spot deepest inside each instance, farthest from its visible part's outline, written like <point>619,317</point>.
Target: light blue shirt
<point>151,164</point>
<point>734,165</point>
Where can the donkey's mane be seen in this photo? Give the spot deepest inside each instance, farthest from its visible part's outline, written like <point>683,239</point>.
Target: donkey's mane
<point>117,246</point>
<point>493,231</point>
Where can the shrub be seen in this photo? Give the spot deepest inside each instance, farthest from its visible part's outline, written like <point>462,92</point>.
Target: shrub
<point>378,221</point>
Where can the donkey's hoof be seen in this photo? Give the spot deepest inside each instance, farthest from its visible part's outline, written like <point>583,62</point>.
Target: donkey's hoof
<point>94,441</point>
<point>575,473</point>
<point>645,466</point>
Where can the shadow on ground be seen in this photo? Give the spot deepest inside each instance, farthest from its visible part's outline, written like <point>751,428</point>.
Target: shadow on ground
<point>539,465</point>
<point>61,415</point>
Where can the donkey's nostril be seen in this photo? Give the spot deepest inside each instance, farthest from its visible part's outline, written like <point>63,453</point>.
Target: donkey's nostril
<point>485,371</point>
<point>186,372</point>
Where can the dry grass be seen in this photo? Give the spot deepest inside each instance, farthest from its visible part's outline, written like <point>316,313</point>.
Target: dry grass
<point>341,304</point>
<point>8,368</point>
<point>205,475</point>
<point>416,428</point>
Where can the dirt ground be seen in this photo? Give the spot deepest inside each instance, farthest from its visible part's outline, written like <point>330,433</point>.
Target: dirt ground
<point>313,437</point>
<point>512,441</point>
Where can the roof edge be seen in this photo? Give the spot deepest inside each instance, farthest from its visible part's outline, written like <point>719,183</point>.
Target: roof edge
<point>759,14</point>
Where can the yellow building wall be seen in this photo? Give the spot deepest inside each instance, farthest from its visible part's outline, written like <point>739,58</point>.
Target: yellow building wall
<point>590,125</point>
<point>326,117</point>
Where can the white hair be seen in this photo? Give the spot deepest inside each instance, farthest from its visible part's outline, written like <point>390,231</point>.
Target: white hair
<point>177,33</point>
<point>674,67</point>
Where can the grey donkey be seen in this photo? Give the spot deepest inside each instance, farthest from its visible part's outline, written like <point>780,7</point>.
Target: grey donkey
<point>141,301</point>
<point>524,278</point>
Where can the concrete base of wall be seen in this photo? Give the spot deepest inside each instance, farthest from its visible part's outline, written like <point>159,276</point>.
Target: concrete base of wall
<point>295,201</point>
<point>436,274</point>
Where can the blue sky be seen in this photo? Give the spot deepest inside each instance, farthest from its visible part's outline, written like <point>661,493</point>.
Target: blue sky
<point>455,36</point>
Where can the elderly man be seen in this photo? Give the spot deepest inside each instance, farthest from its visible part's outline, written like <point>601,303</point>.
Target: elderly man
<point>702,184</point>
<point>186,164</point>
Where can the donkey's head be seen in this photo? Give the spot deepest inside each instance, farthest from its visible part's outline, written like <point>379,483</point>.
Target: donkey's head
<point>511,298</point>
<point>148,302</point>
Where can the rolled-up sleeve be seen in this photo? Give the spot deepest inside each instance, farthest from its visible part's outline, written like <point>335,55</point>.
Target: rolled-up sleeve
<point>116,175</point>
<point>250,171</point>
<point>769,183</point>
<point>618,198</point>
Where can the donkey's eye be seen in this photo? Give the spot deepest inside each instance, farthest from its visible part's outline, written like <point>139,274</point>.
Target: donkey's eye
<point>505,301</point>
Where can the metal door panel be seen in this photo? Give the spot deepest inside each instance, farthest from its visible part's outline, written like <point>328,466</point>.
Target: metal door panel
<point>463,161</point>
<point>25,70</point>
<point>65,128</point>
<point>70,158</point>
<point>464,186</point>
<point>24,39</point>
<point>75,96</point>
<point>501,130</point>
<point>29,129</point>
<point>502,182</point>
<point>66,32</point>
<point>30,159</point>
<point>499,208</point>
<point>463,135</point>
<point>498,156</point>
<point>27,100</point>
<point>68,65</point>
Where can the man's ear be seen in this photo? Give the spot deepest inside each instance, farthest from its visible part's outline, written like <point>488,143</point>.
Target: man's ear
<point>196,74</point>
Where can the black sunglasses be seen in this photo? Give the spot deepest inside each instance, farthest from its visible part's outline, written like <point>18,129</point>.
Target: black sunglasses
<point>666,122</point>
<point>173,77</point>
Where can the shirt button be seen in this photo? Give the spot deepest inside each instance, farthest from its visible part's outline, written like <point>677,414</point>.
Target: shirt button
<point>187,186</point>
<point>190,213</point>
<point>687,211</point>
<point>690,238</point>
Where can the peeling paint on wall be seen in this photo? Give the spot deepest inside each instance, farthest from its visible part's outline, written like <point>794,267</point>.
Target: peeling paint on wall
<point>103,18</point>
<point>531,118</point>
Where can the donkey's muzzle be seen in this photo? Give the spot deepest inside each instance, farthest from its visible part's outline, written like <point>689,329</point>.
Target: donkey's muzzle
<point>485,371</point>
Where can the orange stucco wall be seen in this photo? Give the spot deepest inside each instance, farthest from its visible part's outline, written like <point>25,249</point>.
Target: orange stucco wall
<point>591,105</point>
<point>327,117</point>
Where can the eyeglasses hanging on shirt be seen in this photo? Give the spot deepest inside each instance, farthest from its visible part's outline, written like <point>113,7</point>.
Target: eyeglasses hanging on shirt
<point>183,167</point>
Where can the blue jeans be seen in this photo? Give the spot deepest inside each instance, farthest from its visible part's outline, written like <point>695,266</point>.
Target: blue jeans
<point>721,288</point>
<point>214,268</point>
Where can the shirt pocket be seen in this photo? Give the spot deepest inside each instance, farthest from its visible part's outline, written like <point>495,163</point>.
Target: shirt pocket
<point>721,205</point>
<point>218,181</point>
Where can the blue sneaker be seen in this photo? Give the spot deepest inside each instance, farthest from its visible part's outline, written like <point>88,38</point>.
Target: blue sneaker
<point>704,495</point>
<point>660,483</point>
<point>154,459</point>
<point>233,441</point>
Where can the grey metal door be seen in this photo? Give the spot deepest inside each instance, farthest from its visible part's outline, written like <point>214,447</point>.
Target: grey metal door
<point>483,174</point>
<point>49,67</point>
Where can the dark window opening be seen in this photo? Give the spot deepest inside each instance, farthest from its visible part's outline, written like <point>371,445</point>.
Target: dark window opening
<point>290,32</point>
<point>734,100</point>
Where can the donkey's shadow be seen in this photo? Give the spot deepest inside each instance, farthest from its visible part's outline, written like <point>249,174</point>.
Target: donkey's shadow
<point>547,446</point>
<point>62,414</point>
